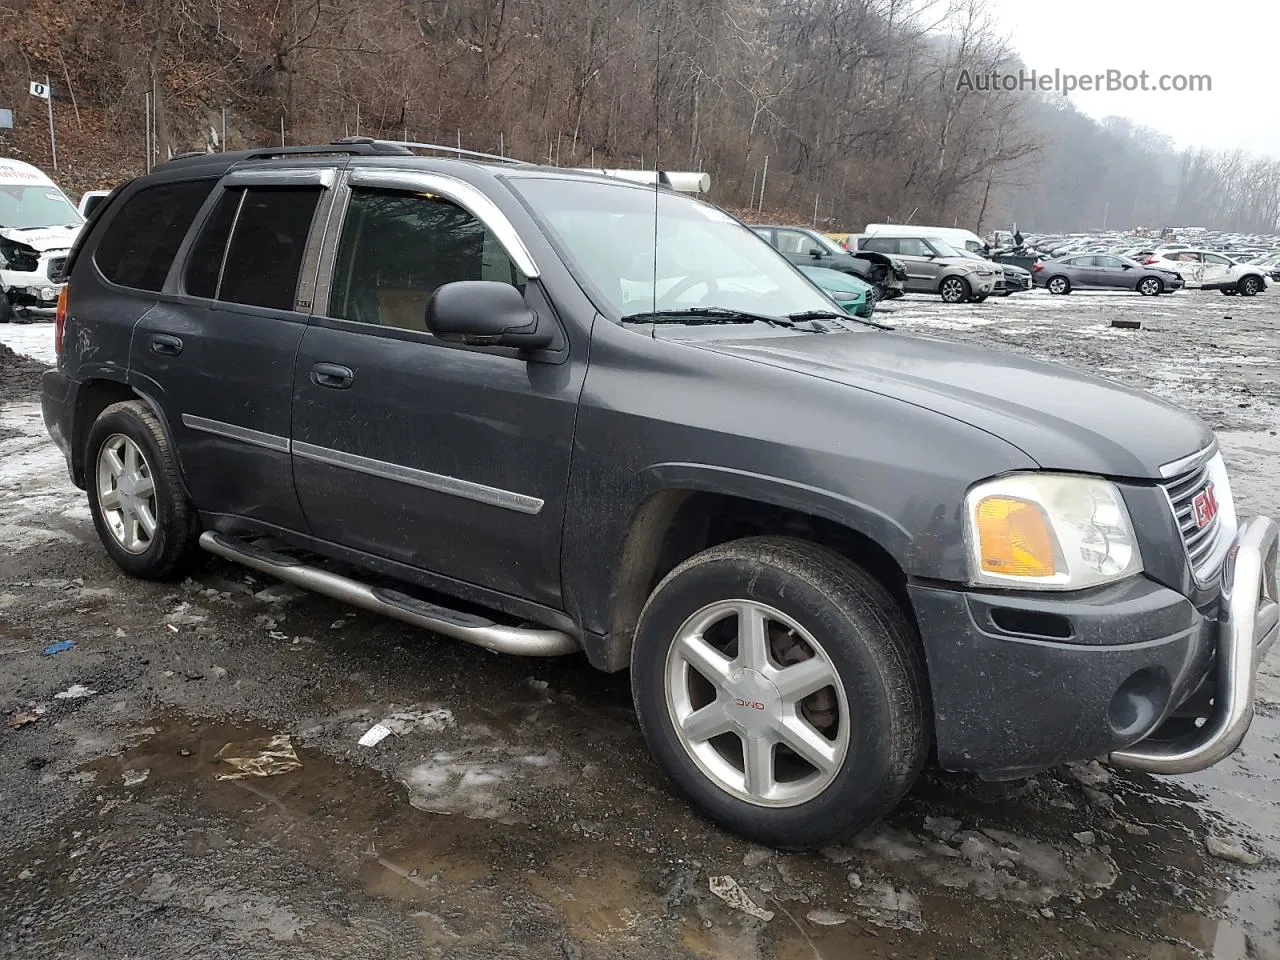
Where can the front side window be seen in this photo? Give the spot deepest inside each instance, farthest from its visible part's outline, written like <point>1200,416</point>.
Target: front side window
<point>139,244</point>
<point>794,242</point>
<point>397,249</point>
<point>913,247</point>
<point>1214,258</point>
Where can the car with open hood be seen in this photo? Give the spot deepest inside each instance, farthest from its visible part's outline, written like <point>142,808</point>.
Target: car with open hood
<point>38,225</point>
<point>806,247</point>
<point>934,266</point>
<point>556,413</point>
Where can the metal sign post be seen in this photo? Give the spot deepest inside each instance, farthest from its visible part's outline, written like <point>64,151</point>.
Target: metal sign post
<point>45,92</point>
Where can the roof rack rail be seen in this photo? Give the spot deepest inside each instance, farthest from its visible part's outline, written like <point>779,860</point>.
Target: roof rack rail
<point>361,147</point>
<point>408,146</point>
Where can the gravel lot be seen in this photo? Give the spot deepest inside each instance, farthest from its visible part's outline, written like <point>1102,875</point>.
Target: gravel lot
<point>513,811</point>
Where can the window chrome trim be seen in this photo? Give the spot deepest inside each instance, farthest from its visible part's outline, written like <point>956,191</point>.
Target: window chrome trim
<point>324,177</point>
<point>435,482</point>
<point>1176,467</point>
<point>231,431</point>
<point>470,198</point>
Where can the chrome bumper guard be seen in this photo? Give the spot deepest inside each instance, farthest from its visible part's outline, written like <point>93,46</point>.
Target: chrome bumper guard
<point>1248,625</point>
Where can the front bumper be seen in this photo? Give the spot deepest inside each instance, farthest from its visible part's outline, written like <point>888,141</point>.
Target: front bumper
<point>1248,626</point>
<point>1022,681</point>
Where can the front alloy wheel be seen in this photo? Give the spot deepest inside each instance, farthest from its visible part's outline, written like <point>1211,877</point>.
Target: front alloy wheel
<point>1249,286</point>
<point>782,688</point>
<point>1150,287</point>
<point>757,703</point>
<point>954,290</point>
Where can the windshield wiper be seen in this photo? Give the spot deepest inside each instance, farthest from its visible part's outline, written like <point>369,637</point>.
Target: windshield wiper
<point>832,315</point>
<point>708,315</point>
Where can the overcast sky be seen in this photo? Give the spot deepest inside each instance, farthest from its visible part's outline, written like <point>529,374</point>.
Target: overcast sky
<point>1237,44</point>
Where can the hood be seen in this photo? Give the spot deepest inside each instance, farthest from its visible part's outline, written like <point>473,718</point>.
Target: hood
<point>42,239</point>
<point>1062,418</point>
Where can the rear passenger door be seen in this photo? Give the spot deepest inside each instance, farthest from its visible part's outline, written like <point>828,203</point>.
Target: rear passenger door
<point>447,458</point>
<point>219,353</point>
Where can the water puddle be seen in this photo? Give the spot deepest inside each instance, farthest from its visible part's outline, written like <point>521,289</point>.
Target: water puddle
<point>345,862</point>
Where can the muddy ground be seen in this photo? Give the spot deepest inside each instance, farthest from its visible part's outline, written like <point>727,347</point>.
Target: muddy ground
<point>513,812</point>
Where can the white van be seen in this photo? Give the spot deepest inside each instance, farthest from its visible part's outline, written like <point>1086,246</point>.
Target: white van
<point>38,225</point>
<point>960,239</point>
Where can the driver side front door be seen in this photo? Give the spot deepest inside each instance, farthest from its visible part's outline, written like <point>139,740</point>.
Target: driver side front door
<point>448,458</point>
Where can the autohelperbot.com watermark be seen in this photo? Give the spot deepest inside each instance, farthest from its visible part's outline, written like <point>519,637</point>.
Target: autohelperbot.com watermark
<point>1064,82</point>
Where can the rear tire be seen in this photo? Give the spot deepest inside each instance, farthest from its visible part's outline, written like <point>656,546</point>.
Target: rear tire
<point>727,741</point>
<point>6,311</point>
<point>139,506</point>
<point>1228,292</point>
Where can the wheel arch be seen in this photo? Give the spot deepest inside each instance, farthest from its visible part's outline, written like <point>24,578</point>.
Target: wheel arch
<point>94,396</point>
<point>690,508</point>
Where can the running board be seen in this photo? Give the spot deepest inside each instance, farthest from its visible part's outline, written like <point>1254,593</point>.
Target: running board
<point>517,641</point>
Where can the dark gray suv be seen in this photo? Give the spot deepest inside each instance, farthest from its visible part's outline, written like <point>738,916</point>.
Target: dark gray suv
<point>469,395</point>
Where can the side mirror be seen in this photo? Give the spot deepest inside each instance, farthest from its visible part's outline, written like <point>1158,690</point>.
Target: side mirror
<point>1127,266</point>
<point>815,253</point>
<point>484,313</point>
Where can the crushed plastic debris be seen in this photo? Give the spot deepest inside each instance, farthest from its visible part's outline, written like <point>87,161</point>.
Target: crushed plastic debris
<point>826,918</point>
<point>374,735</point>
<point>134,777</point>
<point>60,647</point>
<point>74,692</point>
<point>20,720</point>
<point>892,908</point>
<point>261,757</point>
<point>727,889</point>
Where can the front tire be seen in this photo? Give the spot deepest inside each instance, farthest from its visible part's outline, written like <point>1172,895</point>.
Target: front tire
<point>782,688</point>
<point>954,290</point>
<point>139,507</point>
<point>1059,286</point>
<point>1150,287</point>
<point>1249,286</point>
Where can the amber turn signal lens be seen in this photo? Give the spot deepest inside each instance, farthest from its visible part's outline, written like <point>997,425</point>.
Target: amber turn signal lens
<point>1014,538</point>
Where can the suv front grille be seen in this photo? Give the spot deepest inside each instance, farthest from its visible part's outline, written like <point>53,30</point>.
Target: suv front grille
<point>1200,542</point>
<point>57,266</point>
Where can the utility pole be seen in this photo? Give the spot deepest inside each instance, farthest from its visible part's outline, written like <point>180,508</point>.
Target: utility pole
<point>764,174</point>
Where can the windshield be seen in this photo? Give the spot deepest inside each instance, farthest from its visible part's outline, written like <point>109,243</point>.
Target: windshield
<point>704,257</point>
<point>36,206</point>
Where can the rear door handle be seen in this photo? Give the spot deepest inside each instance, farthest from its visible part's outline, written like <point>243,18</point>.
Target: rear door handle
<point>165,344</point>
<point>332,375</point>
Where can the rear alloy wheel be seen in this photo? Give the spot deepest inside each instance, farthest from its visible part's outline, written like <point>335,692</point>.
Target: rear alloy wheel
<point>782,688</point>
<point>1150,287</point>
<point>1249,286</point>
<point>1059,285</point>
<point>136,497</point>
<point>954,290</point>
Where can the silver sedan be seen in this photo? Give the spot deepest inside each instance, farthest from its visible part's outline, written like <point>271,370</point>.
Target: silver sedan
<point>1103,272</point>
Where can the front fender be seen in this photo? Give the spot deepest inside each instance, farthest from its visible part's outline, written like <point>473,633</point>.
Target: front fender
<point>779,492</point>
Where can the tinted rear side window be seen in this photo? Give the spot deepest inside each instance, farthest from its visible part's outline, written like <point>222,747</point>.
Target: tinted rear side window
<point>267,247</point>
<point>204,262</point>
<point>139,244</point>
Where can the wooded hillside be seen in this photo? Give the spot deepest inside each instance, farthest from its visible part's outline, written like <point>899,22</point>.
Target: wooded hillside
<point>854,103</point>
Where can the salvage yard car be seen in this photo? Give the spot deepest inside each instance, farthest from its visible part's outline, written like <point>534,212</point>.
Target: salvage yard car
<point>37,227</point>
<point>852,294</point>
<point>479,397</point>
<point>1206,270</point>
<point>810,248</point>
<point>1099,271</point>
<point>935,267</point>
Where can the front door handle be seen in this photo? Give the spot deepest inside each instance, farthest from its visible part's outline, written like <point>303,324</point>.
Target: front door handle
<point>165,344</point>
<point>332,375</point>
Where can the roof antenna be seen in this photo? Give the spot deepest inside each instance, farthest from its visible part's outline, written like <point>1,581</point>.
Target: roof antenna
<point>657,164</point>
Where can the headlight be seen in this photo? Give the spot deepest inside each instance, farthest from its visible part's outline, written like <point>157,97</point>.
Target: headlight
<point>1049,532</point>
<point>48,293</point>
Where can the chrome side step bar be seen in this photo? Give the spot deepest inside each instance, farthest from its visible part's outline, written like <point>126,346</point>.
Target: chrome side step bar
<point>1248,627</point>
<point>517,641</point>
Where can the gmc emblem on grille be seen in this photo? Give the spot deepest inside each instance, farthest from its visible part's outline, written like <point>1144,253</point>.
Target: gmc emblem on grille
<point>1205,506</point>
